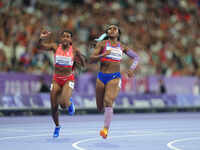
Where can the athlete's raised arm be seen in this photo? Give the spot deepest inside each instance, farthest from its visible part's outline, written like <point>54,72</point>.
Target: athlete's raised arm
<point>44,43</point>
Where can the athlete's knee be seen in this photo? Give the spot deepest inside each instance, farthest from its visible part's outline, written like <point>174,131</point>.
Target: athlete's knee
<point>64,103</point>
<point>108,99</point>
<point>108,102</point>
<point>111,96</point>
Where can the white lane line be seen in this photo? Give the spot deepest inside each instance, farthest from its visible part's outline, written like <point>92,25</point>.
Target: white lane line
<point>75,144</point>
<point>170,144</point>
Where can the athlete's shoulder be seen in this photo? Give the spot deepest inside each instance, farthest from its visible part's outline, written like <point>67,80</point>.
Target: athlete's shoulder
<point>57,47</point>
<point>122,44</point>
<point>101,43</point>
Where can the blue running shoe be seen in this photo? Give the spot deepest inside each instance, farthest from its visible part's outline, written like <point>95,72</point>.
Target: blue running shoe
<point>56,132</point>
<point>71,108</point>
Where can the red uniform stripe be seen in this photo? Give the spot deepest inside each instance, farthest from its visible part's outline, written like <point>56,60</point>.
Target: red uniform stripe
<point>63,66</point>
<point>107,59</point>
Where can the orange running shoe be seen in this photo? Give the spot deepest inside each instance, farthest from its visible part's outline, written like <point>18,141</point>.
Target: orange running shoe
<point>104,133</point>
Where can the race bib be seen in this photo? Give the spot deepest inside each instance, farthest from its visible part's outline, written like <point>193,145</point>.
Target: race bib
<point>51,87</point>
<point>63,60</point>
<point>71,85</point>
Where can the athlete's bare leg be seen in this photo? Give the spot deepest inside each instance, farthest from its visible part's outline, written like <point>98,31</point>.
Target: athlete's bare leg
<point>66,94</point>
<point>100,89</point>
<point>111,92</point>
<point>55,91</point>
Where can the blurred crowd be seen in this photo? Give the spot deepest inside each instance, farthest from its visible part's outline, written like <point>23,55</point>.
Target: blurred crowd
<point>164,33</point>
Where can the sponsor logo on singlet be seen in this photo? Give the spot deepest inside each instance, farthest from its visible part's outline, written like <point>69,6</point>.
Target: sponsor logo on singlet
<point>116,53</point>
<point>64,60</point>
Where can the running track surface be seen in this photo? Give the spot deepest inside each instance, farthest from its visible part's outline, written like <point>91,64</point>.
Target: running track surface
<point>164,131</point>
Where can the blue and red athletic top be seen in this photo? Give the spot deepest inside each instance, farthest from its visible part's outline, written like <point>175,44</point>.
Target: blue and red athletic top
<point>116,52</point>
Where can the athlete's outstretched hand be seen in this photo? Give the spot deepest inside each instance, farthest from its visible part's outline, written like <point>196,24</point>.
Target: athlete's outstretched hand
<point>130,73</point>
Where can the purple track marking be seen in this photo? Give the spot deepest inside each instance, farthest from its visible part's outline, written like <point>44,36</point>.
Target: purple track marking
<point>167,131</point>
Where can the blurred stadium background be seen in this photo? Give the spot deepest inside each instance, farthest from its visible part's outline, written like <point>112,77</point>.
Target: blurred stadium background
<point>165,34</point>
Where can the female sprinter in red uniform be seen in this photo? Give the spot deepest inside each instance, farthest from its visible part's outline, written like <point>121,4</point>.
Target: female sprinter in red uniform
<point>65,55</point>
<point>109,53</point>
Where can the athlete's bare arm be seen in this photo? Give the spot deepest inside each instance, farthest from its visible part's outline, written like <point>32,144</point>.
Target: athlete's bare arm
<point>129,52</point>
<point>44,43</point>
<point>80,57</point>
<point>95,56</point>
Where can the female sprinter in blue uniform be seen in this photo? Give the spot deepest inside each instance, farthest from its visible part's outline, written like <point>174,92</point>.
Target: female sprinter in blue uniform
<point>109,52</point>
<point>65,57</point>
